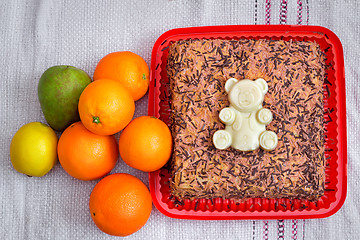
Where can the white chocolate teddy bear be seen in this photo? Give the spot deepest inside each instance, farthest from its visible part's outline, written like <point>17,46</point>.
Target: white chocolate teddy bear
<point>246,118</point>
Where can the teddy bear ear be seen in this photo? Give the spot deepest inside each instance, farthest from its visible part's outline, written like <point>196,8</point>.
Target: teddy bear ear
<point>263,84</point>
<point>230,83</point>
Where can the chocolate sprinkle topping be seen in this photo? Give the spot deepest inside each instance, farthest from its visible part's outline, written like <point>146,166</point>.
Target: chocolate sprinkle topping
<point>295,72</point>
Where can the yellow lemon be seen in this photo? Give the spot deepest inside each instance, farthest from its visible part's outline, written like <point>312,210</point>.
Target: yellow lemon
<point>33,149</point>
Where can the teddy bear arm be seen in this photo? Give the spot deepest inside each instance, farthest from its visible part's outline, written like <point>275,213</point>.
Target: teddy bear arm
<point>227,115</point>
<point>264,116</point>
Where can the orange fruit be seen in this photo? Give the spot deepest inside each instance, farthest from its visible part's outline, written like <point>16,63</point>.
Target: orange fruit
<point>105,107</point>
<point>146,144</point>
<point>85,155</point>
<point>128,68</point>
<point>120,204</point>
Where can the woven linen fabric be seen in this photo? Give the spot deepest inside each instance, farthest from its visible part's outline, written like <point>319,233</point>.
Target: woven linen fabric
<point>37,34</point>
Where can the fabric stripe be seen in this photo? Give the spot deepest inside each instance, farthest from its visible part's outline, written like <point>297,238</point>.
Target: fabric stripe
<point>256,12</point>
<point>307,12</point>
<point>283,11</point>
<point>299,12</point>
<point>267,11</point>
<point>304,229</point>
<point>294,229</point>
<point>266,230</point>
<point>253,230</point>
<point>281,229</point>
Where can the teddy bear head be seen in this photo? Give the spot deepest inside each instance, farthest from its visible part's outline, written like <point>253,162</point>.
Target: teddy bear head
<point>246,95</point>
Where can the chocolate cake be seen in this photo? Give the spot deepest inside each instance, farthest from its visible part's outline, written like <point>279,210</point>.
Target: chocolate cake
<point>294,71</point>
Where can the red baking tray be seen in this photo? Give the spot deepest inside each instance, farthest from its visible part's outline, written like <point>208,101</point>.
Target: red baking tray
<point>334,122</point>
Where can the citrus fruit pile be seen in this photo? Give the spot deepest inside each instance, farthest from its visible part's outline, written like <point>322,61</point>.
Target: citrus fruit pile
<point>87,114</point>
